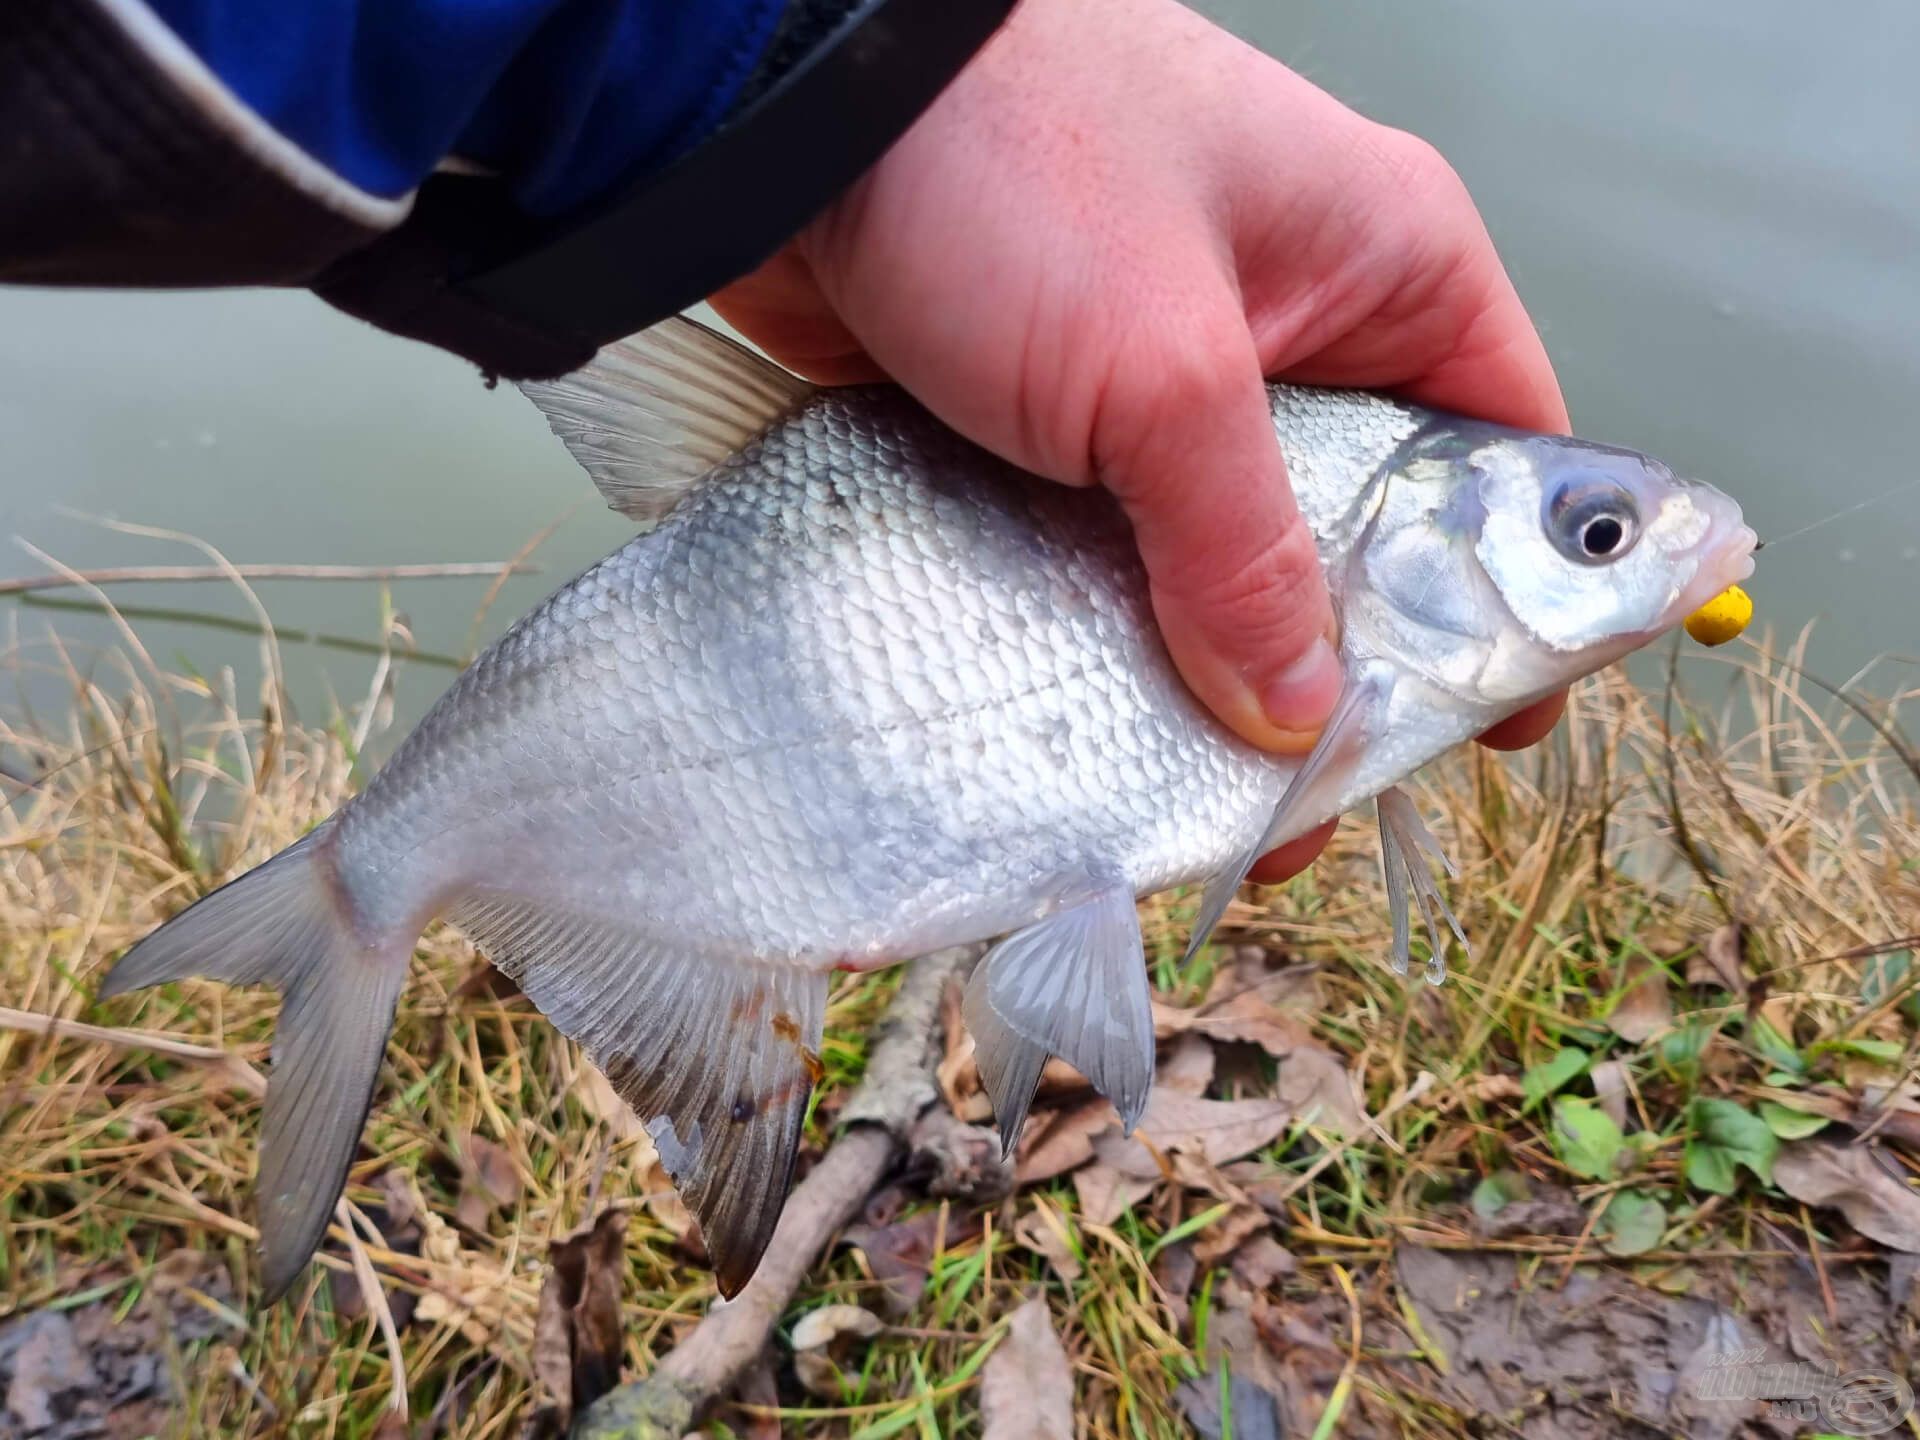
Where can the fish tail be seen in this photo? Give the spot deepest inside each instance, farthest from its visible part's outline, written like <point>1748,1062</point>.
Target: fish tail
<point>289,924</point>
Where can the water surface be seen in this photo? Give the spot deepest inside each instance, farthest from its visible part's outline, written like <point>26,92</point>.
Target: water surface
<point>1713,211</point>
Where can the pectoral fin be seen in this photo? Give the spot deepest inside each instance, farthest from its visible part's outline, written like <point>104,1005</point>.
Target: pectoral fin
<point>1405,844</point>
<point>1073,985</point>
<point>1315,791</point>
<point>717,1058</point>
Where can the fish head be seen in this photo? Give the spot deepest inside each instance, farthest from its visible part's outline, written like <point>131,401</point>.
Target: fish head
<point>1504,564</point>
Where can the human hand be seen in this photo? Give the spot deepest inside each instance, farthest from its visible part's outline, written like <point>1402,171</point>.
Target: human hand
<point>1087,254</point>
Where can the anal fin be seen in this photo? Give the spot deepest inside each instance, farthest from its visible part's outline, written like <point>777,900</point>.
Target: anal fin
<point>1405,845</point>
<point>1072,985</point>
<point>717,1058</point>
<point>1314,790</point>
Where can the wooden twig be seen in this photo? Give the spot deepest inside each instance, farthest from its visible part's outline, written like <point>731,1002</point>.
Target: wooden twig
<point>898,1086</point>
<point>148,574</point>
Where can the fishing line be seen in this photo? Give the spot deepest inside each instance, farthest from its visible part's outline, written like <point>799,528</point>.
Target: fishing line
<point>1847,510</point>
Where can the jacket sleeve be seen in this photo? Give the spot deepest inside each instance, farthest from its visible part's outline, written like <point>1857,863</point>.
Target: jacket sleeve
<point>518,182</point>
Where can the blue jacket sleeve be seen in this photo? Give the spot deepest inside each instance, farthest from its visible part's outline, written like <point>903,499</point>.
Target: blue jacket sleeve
<point>564,98</point>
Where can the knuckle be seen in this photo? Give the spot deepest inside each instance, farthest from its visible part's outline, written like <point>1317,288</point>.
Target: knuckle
<point>1413,166</point>
<point>1263,600</point>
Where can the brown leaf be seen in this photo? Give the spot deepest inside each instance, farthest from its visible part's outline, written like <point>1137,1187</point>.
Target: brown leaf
<point>1490,1086</point>
<point>1610,1089</point>
<point>1105,1194</point>
<point>1852,1180</point>
<point>1248,1001</point>
<point>1026,1387</point>
<point>604,1103</point>
<point>1044,1232</point>
<point>818,1375</point>
<point>489,1181</point>
<point>1315,1086</point>
<point>1257,1413</point>
<point>1186,1065</point>
<point>576,1332</point>
<point>1261,1261</point>
<point>1722,960</point>
<point>48,1366</point>
<point>900,1252</point>
<point>1174,1270</point>
<point>1645,1008</point>
<point>1219,1130</point>
<point>834,1326</point>
<point>1223,1237</point>
<point>484,979</point>
<point>758,1387</point>
<point>1060,1140</point>
<point>392,1426</point>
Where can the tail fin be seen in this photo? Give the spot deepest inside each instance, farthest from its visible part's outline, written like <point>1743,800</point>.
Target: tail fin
<point>282,924</point>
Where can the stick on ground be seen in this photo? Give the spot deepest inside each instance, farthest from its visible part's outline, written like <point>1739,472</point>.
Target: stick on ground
<point>898,1086</point>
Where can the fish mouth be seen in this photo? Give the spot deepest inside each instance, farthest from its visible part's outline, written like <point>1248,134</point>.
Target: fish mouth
<point>1722,557</point>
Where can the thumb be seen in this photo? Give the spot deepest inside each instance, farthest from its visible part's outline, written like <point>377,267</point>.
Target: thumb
<point>1185,439</point>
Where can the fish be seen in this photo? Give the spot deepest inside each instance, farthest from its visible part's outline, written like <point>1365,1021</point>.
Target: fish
<point>859,690</point>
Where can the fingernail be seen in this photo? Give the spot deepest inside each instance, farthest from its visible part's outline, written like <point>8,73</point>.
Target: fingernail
<point>1301,696</point>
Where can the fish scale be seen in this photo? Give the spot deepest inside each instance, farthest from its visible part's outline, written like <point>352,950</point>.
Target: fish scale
<point>863,691</point>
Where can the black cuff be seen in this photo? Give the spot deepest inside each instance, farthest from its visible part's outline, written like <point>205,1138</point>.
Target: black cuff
<point>527,299</point>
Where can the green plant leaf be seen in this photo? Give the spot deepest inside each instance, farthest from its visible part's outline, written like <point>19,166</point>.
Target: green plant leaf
<point>1724,1135</point>
<point>1632,1223</point>
<point>1680,1050</point>
<point>1884,1052</point>
<point>1497,1191</point>
<point>1588,1141</point>
<point>1777,1048</point>
<point>1791,1124</point>
<point>1552,1075</point>
<point>1885,974</point>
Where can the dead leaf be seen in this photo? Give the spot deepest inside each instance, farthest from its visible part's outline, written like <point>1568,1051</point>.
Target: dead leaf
<point>392,1426</point>
<point>489,1181</point>
<point>1314,1085</point>
<point>1060,1140</point>
<point>1252,1002</point>
<point>1174,1270</point>
<point>603,1102</point>
<point>1223,1237</point>
<point>1722,960</point>
<point>484,979</point>
<point>1105,1194</point>
<point>1219,1130</point>
<point>1026,1388</point>
<point>1852,1180</point>
<point>900,1252</point>
<point>1256,1410</point>
<point>1043,1232</point>
<point>1261,1261</point>
<point>1186,1065</point>
<point>1645,1009</point>
<point>758,1387</point>
<point>834,1326</point>
<point>48,1367</point>
<point>657,1192</point>
<point>1490,1086</point>
<point>577,1339</point>
<point>1610,1089</point>
<point>818,1375</point>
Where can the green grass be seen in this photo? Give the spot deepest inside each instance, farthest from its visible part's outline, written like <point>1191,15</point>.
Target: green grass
<point>1574,886</point>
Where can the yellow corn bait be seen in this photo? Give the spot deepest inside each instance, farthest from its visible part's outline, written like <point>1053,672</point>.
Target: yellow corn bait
<point>1722,617</point>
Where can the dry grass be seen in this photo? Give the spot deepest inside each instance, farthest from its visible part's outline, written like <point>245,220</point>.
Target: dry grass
<point>1585,867</point>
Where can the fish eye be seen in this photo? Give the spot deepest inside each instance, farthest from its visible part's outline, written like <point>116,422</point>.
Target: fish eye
<point>1592,521</point>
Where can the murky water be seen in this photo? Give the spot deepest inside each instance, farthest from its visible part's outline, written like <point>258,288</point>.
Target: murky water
<point>1712,210</point>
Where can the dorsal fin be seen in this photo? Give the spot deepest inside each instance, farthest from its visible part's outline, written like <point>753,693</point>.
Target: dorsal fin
<point>649,416</point>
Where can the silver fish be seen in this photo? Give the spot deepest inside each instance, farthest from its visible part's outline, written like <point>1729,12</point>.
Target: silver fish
<point>864,691</point>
